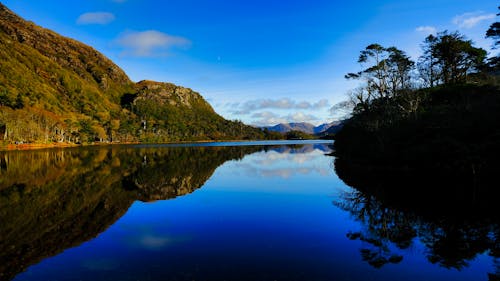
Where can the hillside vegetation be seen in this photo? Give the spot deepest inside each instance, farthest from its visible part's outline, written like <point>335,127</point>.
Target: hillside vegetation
<point>55,89</point>
<point>438,116</point>
<point>455,127</point>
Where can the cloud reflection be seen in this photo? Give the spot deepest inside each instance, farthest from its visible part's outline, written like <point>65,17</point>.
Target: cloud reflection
<point>277,164</point>
<point>154,242</point>
<point>147,238</point>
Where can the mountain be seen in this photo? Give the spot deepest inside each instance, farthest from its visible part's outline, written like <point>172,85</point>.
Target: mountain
<point>323,127</point>
<point>331,128</point>
<point>285,128</point>
<point>306,127</point>
<point>56,89</point>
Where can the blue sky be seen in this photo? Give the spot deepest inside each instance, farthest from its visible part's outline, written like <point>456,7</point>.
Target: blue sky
<point>262,62</point>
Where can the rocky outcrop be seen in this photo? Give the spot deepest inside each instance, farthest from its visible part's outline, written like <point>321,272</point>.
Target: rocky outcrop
<point>167,93</point>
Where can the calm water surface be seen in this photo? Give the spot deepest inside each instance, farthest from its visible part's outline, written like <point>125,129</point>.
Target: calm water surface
<point>215,212</point>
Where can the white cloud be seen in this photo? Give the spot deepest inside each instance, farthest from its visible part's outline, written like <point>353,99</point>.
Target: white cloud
<point>265,114</point>
<point>150,43</point>
<point>470,20</point>
<point>284,103</point>
<point>267,118</point>
<point>302,117</point>
<point>303,105</point>
<point>95,18</point>
<point>320,104</point>
<point>427,29</point>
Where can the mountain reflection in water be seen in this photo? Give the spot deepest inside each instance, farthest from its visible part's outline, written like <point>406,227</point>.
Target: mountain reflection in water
<point>51,200</point>
<point>266,214</point>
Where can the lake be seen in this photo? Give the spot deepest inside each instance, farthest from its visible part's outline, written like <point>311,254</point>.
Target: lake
<point>221,211</point>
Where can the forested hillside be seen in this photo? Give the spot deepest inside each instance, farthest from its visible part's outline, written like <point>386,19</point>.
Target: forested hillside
<point>55,89</point>
<point>437,114</point>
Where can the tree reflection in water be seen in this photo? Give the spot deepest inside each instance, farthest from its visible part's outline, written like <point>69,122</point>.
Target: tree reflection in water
<point>395,215</point>
<point>384,228</point>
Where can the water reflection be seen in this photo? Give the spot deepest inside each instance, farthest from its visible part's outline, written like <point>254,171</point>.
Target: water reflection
<point>276,163</point>
<point>55,199</point>
<point>267,215</point>
<point>453,221</point>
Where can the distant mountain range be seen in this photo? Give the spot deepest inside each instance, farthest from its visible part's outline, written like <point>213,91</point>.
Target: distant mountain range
<point>308,128</point>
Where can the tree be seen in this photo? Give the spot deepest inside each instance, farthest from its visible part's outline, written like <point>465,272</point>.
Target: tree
<point>388,73</point>
<point>399,70</point>
<point>427,63</point>
<point>297,135</point>
<point>5,99</point>
<point>360,98</point>
<point>375,74</point>
<point>388,70</point>
<point>448,58</point>
<point>494,31</point>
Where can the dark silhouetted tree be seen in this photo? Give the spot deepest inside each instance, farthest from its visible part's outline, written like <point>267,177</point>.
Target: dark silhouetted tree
<point>428,64</point>
<point>387,72</point>
<point>494,31</point>
<point>448,58</point>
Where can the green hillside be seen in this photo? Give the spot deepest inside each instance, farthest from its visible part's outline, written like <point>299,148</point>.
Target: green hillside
<point>171,113</point>
<point>55,89</point>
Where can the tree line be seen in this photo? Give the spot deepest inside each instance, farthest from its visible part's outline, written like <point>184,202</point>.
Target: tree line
<point>448,58</point>
<point>439,111</point>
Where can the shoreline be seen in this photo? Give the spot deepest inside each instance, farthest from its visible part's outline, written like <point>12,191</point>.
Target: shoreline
<point>33,146</point>
<point>36,146</point>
